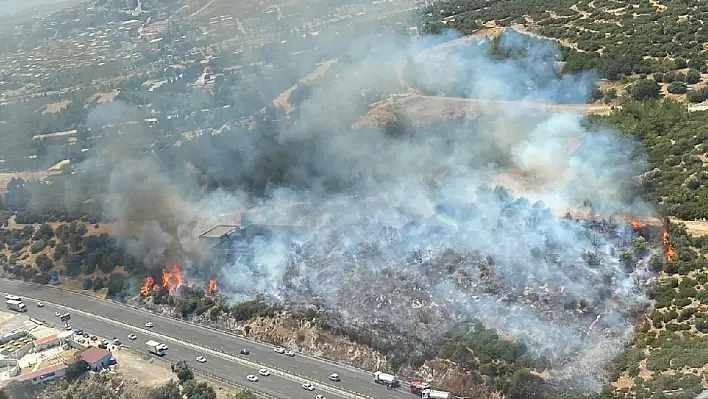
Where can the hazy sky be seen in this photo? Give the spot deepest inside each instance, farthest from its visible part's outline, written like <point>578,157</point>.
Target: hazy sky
<point>13,6</point>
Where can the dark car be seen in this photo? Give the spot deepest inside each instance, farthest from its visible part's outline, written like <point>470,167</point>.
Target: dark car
<point>245,352</point>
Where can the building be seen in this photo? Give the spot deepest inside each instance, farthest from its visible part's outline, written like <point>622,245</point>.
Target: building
<point>96,357</point>
<point>46,343</point>
<point>215,235</point>
<point>40,376</point>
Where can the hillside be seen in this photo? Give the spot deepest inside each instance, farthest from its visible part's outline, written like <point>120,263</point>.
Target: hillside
<point>620,39</point>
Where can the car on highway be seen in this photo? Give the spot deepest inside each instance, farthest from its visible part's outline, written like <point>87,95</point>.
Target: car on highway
<point>201,359</point>
<point>264,372</point>
<point>245,352</point>
<point>334,377</point>
<point>79,331</point>
<point>149,324</point>
<point>40,305</point>
<point>308,386</point>
<point>132,337</point>
<point>279,349</point>
<point>289,353</point>
<point>57,314</point>
<point>252,378</point>
<point>320,397</point>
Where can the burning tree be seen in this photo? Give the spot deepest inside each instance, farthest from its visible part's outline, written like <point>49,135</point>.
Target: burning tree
<point>172,278</point>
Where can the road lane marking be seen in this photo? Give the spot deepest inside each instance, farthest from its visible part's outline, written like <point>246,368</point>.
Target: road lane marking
<point>279,373</point>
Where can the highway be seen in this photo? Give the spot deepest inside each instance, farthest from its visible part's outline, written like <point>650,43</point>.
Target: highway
<point>230,371</point>
<point>315,370</point>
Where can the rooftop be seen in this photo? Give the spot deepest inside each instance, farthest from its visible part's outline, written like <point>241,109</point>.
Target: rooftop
<point>220,231</point>
<point>35,374</point>
<point>45,340</point>
<point>94,354</point>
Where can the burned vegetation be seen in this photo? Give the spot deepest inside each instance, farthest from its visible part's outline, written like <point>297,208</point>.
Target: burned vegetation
<point>565,292</point>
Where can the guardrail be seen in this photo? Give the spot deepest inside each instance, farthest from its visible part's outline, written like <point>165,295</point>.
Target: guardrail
<point>225,332</point>
<point>202,373</point>
<point>221,353</point>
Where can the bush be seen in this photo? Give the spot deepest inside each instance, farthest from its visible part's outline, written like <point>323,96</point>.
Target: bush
<point>677,88</point>
<point>88,284</point>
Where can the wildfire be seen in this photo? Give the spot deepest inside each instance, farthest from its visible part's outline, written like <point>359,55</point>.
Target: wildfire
<point>172,277</point>
<point>637,225</point>
<point>670,252</point>
<point>212,287</point>
<point>147,286</point>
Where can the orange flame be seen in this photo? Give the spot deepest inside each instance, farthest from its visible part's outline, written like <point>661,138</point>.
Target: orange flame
<point>670,252</point>
<point>172,277</point>
<point>637,225</point>
<point>147,286</point>
<point>212,287</point>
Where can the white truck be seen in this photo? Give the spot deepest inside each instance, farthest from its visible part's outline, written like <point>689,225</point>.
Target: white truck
<point>156,348</point>
<point>433,394</point>
<point>16,305</point>
<point>386,379</point>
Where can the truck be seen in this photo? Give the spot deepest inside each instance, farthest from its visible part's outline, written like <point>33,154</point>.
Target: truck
<point>10,297</point>
<point>156,348</point>
<point>16,305</point>
<point>386,379</point>
<point>433,394</point>
<point>418,386</point>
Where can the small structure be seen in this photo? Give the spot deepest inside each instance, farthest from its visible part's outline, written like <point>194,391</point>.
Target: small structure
<point>97,358</point>
<point>46,343</point>
<point>40,376</point>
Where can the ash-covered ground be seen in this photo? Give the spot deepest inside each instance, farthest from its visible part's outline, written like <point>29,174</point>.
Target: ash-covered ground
<point>569,289</point>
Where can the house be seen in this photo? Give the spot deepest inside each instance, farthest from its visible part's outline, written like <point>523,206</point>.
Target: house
<point>97,358</point>
<point>46,343</point>
<point>40,376</point>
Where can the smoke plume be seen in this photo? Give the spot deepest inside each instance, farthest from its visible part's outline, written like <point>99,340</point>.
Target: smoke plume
<point>408,230</point>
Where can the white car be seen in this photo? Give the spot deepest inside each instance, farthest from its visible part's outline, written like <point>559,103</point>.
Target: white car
<point>149,324</point>
<point>264,372</point>
<point>132,337</point>
<point>252,378</point>
<point>320,397</point>
<point>308,386</point>
<point>201,359</point>
<point>334,377</point>
<point>290,353</point>
<point>68,328</point>
<point>279,349</point>
<point>41,305</point>
<point>104,341</point>
<point>57,314</point>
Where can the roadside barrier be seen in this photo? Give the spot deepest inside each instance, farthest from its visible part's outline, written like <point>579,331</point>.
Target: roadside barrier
<point>219,353</point>
<point>202,373</point>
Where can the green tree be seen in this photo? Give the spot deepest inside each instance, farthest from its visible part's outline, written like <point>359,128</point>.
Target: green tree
<point>677,88</point>
<point>169,390</point>
<point>645,89</point>
<point>243,395</point>
<point>88,284</point>
<point>198,390</point>
<point>76,370</point>
<point>183,371</point>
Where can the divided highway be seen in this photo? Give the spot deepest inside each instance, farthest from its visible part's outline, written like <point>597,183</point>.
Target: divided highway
<point>356,382</point>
